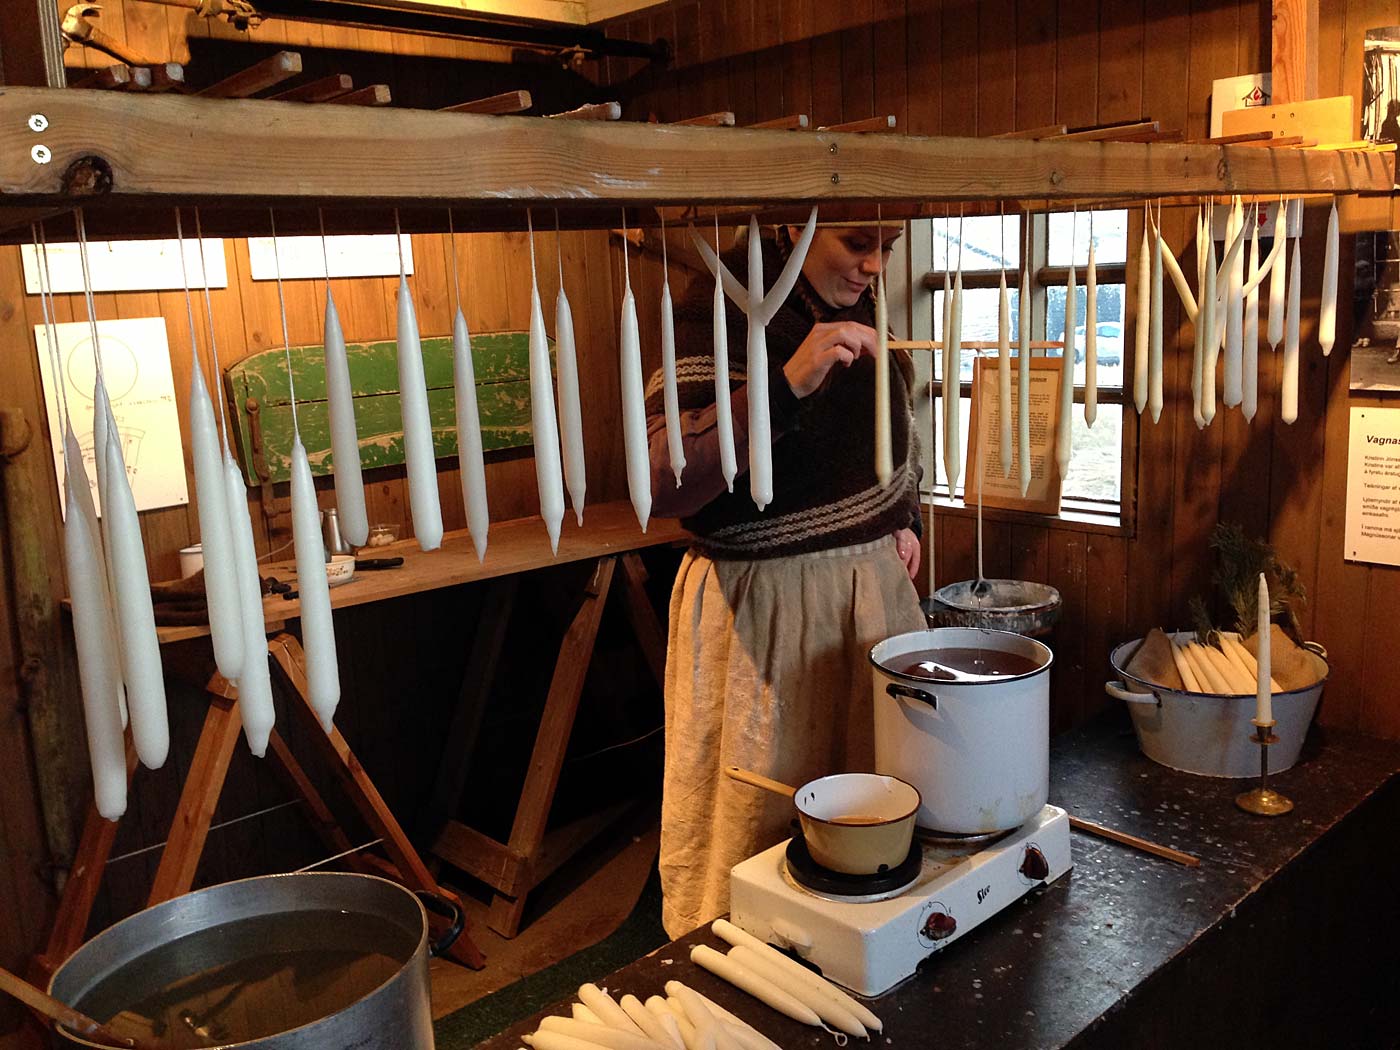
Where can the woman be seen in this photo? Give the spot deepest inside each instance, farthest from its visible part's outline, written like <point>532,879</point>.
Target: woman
<point>773,611</point>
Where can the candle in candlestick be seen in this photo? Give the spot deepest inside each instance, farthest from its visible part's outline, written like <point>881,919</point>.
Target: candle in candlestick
<point>1263,709</point>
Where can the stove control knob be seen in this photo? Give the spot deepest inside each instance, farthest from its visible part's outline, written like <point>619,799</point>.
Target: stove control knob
<point>939,926</point>
<point>1034,866</point>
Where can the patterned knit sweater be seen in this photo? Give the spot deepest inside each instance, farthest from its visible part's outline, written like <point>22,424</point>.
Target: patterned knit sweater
<point>826,493</point>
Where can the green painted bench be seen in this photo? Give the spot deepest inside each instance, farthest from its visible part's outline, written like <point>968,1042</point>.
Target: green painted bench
<point>257,386</point>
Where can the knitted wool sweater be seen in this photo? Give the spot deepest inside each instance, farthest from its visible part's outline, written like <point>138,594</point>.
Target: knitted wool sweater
<point>826,493</point>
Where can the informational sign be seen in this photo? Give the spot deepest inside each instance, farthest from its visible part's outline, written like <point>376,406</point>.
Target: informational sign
<point>984,438</point>
<point>126,266</point>
<point>301,258</point>
<point>136,368</point>
<point>1243,92</point>
<point>1373,486</point>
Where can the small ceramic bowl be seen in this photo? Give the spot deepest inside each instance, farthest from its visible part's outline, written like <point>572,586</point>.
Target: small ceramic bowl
<point>340,568</point>
<point>382,535</point>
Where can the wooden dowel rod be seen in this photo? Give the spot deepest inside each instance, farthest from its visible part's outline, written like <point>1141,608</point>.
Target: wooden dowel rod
<point>374,95</point>
<point>723,119</point>
<point>106,79</point>
<point>971,344</point>
<point>506,102</point>
<point>1112,132</point>
<point>1235,140</point>
<point>886,123</point>
<point>1045,131</point>
<point>592,111</point>
<point>258,77</point>
<point>792,122</point>
<point>1122,837</point>
<point>322,90</point>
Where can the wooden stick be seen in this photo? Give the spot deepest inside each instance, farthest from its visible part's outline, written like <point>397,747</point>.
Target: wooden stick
<point>141,79</point>
<point>374,95</point>
<point>64,1014</point>
<point>1045,131</point>
<point>1111,132</point>
<point>971,344</point>
<point>869,124</point>
<point>591,111</point>
<point>758,780</point>
<point>167,76</point>
<point>1166,852</point>
<point>106,79</point>
<point>322,90</point>
<point>722,119</point>
<point>1235,140</point>
<point>258,77</point>
<point>792,122</point>
<point>506,102</point>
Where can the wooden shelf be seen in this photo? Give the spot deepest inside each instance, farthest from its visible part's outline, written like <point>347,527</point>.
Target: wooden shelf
<point>122,154</point>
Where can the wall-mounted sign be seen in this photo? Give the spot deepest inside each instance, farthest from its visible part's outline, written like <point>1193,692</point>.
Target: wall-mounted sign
<point>1373,486</point>
<point>352,255</point>
<point>126,266</point>
<point>984,435</point>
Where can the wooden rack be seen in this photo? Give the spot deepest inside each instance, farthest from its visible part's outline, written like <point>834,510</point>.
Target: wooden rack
<point>128,157</point>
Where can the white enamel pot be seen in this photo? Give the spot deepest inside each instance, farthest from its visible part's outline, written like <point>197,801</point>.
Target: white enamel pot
<point>978,752</point>
<point>1212,734</point>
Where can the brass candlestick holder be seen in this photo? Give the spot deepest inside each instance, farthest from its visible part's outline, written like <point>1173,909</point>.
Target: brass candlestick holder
<point>1264,801</point>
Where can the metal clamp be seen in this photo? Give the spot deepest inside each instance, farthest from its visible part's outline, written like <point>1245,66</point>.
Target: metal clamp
<point>895,690</point>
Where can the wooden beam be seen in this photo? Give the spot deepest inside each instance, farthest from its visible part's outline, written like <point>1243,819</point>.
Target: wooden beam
<point>722,119</point>
<point>592,111</point>
<point>259,77</point>
<point>1294,50</point>
<point>259,151</point>
<point>322,90</point>
<point>886,123</point>
<point>374,95</point>
<point>1235,140</point>
<point>1045,131</point>
<point>1114,132</point>
<point>792,122</point>
<point>506,102</point>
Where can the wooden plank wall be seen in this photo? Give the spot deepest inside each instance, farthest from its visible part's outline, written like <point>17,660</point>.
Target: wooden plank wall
<point>959,67</point>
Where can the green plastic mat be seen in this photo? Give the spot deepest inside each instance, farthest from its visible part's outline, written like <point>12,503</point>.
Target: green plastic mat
<point>641,932</point>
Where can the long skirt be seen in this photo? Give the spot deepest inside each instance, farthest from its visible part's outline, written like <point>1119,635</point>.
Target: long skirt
<point>767,668</point>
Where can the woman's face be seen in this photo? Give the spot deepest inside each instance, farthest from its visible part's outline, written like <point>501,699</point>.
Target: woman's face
<point>844,261</point>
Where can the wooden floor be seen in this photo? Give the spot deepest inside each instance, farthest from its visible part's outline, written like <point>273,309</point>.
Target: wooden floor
<point>588,900</point>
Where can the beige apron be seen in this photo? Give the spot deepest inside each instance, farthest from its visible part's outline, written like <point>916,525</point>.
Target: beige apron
<point>767,668</point>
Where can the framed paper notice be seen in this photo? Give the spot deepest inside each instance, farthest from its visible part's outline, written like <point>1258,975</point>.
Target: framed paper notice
<point>1373,487</point>
<point>984,432</point>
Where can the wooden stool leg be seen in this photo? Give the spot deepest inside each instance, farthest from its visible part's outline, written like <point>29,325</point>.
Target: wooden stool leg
<point>198,800</point>
<point>650,632</point>
<point>322,820</point>
<point>80,891</point>
<point>551,741</point>
<point>360,789</point>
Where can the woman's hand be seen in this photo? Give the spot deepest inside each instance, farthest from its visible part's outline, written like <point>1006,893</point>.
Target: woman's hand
<point>910,551</point>
<point>828,344</point>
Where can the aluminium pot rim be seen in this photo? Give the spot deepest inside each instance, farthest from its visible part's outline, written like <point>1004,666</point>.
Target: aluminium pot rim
<point>78,1039</point>
<point>918,800</point>
<point>999,680</point>
<point>1159,691</point>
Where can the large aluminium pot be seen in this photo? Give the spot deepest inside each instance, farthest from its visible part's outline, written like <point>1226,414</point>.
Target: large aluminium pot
<point>1213,734</point>
<point>977,751</point>
<point>309,960</point>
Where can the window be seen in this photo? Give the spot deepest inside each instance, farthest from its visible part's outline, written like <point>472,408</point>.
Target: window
<point>987,244</point>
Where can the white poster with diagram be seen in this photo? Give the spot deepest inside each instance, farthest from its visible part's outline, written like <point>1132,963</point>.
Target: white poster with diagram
<point>136,368</point>
<point>126,266</point>
<point>352,255</point>
<point>1373,487</point>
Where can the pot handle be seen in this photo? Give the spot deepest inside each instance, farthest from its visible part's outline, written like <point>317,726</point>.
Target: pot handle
<point>1119,692</point>
<point>895,689</point>
<point>448,909</point>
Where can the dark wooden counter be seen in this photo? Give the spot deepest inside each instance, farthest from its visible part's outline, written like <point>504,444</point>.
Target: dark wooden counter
<point>1285,936</point>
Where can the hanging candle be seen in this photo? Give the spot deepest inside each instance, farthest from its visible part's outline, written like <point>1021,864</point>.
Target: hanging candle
<point>1234,305</point>
<point>317,628</point>
<point>1091,337</point>
<point>549,478</point>
<point>1064,432</point>
<point>420,460</point>
<point>1211,318</point>
<point>1154,346</point>
<point>1023,376</point>
<point>570,410</point>
<point>1327,317</point>
<point>634,417</point>
<point>952,405</point>
<point>1004,372</point>
<point>1288,385</point>
<point>1278,279</point>
<point>136,623</point>
<point>470,455</point>
<point>98,669</point>
<point>255,684</point>
<point>884,459</point>
<point>1143,327</point>
<point>1249,393</point>
<point>345,439</point>
<point>724,411</point>
<point>671,399</point>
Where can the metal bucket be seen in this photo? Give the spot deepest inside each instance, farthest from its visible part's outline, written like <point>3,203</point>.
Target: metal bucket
<point>319,960</point>
<point>1018,606</point>
<point>1211,733</point>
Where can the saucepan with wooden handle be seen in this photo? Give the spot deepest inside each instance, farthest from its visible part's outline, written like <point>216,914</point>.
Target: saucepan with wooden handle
<point>854,823</point>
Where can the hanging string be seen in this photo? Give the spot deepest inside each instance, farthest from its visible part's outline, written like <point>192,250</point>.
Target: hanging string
<point>398,241</point>
<point>286,338</point>
<point>665,265</point>
<point>46,302</point>
<point>530,228</point>
<point>559,249</point>
<point>87,289</point>
<point>452,243</point>
<point>209,321</point>
<point>626,267</point>
<point>325,251</point>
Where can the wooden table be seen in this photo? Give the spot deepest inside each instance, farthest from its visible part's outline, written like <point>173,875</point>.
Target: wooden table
<point>610,538</point>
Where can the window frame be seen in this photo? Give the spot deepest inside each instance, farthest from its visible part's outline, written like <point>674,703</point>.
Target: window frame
<point>1076,515</point>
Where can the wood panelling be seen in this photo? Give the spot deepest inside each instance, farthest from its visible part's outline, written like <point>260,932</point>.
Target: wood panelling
<point>982,67</point>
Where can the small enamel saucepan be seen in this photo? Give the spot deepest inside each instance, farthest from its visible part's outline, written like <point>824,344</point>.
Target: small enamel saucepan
<point>854,823</point>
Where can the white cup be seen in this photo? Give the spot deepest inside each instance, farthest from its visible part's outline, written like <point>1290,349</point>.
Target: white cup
<point>191,560</point>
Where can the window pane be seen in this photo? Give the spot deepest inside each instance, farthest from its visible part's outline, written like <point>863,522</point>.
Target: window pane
<point>1110,237</point>
<point>979,323</point>
<point>1110,328</point>
<point>1094,466</point>
<point>982,239</point>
